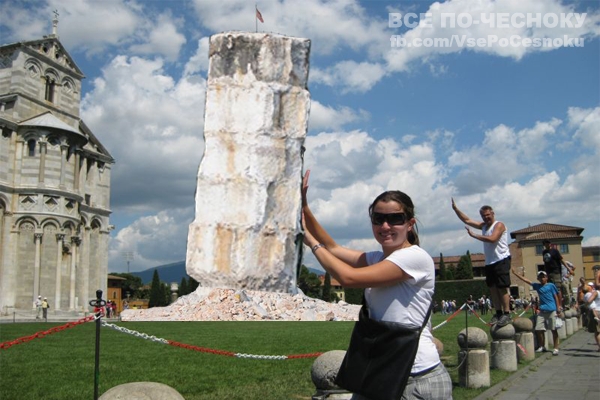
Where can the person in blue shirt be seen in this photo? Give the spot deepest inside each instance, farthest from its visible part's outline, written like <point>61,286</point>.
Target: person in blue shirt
<point>548,309</point>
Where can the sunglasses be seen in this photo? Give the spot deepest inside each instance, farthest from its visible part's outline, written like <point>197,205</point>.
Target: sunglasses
<point>391,219</point>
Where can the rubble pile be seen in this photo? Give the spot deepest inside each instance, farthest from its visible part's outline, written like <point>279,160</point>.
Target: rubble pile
<point>213,304</point>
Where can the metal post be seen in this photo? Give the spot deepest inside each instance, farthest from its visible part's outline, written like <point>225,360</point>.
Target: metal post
<point>467,345</point>
<point>98,303</point>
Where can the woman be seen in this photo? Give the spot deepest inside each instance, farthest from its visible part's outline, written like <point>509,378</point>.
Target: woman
<point>399,280</point>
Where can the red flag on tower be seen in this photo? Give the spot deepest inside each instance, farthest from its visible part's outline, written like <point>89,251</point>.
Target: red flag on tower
<point>259,16</point>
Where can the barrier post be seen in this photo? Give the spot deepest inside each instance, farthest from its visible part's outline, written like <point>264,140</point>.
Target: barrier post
<point>98,303</point>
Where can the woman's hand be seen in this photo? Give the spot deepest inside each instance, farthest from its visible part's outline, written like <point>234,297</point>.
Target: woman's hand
<point>305,188</point>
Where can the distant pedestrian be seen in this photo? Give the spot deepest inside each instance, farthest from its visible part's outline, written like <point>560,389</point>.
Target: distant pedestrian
<point>45,307</point>
<point>38,307</point>
<point>549,308</point>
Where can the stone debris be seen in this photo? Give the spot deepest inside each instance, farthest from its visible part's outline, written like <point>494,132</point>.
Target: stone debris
<point>215,304</point>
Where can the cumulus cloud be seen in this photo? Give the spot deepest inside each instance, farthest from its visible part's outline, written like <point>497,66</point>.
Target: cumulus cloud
<point>139,109</point>
<point>331,118</point>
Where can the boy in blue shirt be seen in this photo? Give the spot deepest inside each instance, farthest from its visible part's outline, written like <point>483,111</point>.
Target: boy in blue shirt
<point>548,310</point>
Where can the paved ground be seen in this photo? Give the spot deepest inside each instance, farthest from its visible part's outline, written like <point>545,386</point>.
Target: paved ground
<point>572,375</point>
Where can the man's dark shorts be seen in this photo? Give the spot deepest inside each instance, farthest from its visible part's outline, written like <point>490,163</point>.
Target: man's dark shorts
<point>498,274</point>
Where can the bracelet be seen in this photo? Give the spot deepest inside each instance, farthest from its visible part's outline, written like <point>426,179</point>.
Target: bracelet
<point>317,246</point>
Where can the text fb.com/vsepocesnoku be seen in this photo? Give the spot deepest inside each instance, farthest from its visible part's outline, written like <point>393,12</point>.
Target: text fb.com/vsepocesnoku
<point>477,24</point>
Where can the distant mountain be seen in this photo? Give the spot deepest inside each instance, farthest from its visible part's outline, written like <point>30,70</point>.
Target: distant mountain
<point>174,272</point>
<point>168,273</point>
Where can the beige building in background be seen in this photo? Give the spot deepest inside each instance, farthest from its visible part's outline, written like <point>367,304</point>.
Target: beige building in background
<point>54,182</point>
<point>527,248</point>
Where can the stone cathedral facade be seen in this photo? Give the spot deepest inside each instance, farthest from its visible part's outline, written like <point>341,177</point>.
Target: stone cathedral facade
<point>54,182</point>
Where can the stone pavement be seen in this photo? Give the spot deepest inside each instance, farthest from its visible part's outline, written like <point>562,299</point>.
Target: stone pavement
<point>572,375</point>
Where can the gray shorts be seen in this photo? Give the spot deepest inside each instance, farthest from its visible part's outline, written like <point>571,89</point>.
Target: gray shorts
<point>545,320</point>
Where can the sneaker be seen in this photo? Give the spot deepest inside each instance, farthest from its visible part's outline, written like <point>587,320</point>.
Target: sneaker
<point>540,349</point>
<point>555,352</point>
<point>494,320</point>
<point>504,320</point>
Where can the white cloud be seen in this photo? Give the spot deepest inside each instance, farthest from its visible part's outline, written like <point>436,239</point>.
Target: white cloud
<point>153,239</point>
<point>163,38</point>
<point>350,75</point>
<point>139,110</point>
<point>199,61</point>
<point>329,118</point>
<point>587,126</point>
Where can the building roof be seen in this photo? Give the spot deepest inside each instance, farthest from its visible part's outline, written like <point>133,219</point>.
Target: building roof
<point>47,120</point>
<point>547,231</point>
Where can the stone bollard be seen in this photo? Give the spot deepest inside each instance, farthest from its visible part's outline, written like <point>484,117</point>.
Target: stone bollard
<point>473,360</point>
<point>562,331</point>
<point>571,322</point>
<point>142,390</point>
<point>323,373</point>
<point>549,339</point>
<point>524,339</point>
<point>504,353</point>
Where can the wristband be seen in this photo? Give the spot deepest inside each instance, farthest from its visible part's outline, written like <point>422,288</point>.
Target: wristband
<point>317,246</point>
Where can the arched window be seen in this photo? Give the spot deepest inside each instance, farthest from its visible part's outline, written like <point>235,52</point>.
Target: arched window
<point>31,147</point>
<point>50,86</point>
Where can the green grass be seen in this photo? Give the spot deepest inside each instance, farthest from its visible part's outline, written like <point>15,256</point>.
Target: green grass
<point>61,365</point>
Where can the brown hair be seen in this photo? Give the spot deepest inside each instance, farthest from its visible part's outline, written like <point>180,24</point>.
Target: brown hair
<point>407,205</point>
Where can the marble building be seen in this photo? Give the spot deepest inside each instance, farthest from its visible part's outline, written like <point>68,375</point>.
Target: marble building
<point>54,182</point>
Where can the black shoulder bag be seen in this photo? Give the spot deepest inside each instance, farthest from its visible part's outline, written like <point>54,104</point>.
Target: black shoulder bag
<point>379,358</point>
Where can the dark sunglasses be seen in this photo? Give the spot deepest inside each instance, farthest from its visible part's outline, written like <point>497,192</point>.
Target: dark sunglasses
<point>392,219</point>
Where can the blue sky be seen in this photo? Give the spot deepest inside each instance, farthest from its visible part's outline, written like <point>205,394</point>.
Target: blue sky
<point>512,126</point>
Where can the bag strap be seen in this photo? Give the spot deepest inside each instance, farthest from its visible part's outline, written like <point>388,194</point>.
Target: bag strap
<point>427,316</point>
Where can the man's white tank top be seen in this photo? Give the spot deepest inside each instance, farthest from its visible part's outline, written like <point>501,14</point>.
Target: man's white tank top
<point>495,251</point>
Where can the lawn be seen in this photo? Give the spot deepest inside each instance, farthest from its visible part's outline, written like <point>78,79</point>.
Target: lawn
<point>61,365</point>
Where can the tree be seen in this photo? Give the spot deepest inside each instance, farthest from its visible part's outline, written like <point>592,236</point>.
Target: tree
<point>464,270</point>
<point>354,295</point>
<point>156,291</point>
<point>192,285</point>
<point>442,273</point>
<point>183,288</point>
<point>450,270</point>
<point>327,295</point>
<point>132,285</point>
<point>309,283</point>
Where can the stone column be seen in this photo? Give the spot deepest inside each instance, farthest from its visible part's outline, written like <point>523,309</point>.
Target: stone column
<point>59,249</point>
<point>473,360</point>
<point>562,331</point>
<point>524,339</point>
<point>42,171</point>
<point>504,348</point>
<point>76,171</point>
<point>64,151</point>
<point>246,233</point>
<point>570,322</point>
<point>74,254</point>
<point>37,239</point>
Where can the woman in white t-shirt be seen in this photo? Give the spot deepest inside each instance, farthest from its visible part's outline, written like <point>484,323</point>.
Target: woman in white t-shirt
<point>399,280</point>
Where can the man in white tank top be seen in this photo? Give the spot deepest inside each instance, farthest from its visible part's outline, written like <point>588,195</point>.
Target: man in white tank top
<point>494,236</point>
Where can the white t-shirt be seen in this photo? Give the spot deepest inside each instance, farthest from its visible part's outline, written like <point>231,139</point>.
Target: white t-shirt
<point>595,304</point>
<point>407,302</point>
